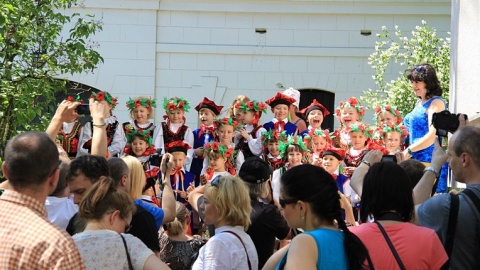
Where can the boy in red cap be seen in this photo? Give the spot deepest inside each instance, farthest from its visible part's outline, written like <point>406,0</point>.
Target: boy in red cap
<point>207,112</point>
<point>315,113</point>
<point>280,104</point>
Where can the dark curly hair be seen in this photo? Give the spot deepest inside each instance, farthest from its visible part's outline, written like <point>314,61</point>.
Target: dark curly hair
<point>427,74</point>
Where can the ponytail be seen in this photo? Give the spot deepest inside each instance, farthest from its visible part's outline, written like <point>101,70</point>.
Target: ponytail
<point>177,226</point>
<point>355,250</point>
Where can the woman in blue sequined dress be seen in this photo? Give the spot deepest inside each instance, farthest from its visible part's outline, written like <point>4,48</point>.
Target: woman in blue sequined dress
<point>422,136</point>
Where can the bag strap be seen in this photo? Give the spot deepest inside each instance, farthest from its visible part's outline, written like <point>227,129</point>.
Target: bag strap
<point>248,258</point>
<point>473,197</point>
<point>390,244</point>
<point>451,227</point>
<point>130,266</point>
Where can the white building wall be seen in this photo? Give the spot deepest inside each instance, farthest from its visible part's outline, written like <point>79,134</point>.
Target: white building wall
<point>209,48</point>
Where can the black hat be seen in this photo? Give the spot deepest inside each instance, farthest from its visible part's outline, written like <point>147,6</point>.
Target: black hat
<point>255,170</point>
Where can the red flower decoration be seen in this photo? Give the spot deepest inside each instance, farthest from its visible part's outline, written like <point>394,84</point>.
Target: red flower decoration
<point>74,145</point>
<point>388,107</point>
<point>137,103</point>
<point>100,96</point>
<point>378,109</point>
<point>353,101</point>
<point>70,98</point>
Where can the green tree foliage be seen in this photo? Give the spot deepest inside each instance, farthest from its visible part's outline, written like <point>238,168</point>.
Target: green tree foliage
<point>40,40</point>
<point>398,52</point>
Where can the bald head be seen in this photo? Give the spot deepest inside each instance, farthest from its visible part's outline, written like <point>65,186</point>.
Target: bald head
<point>30,158</point>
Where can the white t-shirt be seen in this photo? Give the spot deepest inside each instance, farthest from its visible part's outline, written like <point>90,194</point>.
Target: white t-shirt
<point>60,210</point>
<point>224,251</point>
<point>104,249</point>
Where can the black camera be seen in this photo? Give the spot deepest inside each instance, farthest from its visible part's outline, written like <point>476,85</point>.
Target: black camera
<point>445,121</point>
<point>156,159</point>
<point>391,158</point>
<point>83,109</point>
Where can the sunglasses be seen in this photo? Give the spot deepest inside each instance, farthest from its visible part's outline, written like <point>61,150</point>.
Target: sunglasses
<point>419,68</point>
<point>127,226</point>
<point>284,202</point>
<point>214,182</point>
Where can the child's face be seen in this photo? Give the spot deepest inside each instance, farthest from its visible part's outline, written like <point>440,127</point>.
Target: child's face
<point>248,117</point>
<point>393,141</point>
<point>140,114</point>
<point>330,163</point>
<point>218,164</point>
<point>176,116</point>
<point>206,117</point>
<point>386,117</point>
<point>349,116</point>
<point>358,140</point>
<point>226,134</point>
<point>319,143</point>
<point>139,146</point>
<point>273,149</point>
<point>280,111</point>
<point>238,115</point>
<point>315,118</point>
<point>178,159</point>
<point>295,158</point>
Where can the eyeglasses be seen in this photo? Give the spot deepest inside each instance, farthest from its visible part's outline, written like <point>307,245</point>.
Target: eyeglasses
<point>127,226</point>
<point>284,202</point>
<point>214,182</point>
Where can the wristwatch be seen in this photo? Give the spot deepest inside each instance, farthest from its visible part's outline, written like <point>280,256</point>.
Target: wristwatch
<point>431,169</point>
<point>366,163</point>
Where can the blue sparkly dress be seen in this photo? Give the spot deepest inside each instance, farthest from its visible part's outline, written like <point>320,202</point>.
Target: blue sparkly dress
<point>417,125</point>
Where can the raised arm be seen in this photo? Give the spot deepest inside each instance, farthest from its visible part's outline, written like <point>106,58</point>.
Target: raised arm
<point>99,112</point>
<point>168,199</point>
<point>66,112</point>
<point>356,180</point>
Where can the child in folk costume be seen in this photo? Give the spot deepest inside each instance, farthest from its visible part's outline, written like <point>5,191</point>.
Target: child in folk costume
<point>220,161</point>
<point>271,148</point>
<point>393,137</point>
<point>359,134</point>
<point>385,114</point>
<point>248,140</point>
<point>179,177</point>
<point>207,112</point>
<point>233,112</point>
<point>141,111</point>
<point>317,141</point>
<point>69,134</point>
<point>349,112</point>
<point>174,129</point>
<point>280,105</point>
<point>315,113</point>
<point>295,153</point>
<point>225,129</point>
<point>115,136</point>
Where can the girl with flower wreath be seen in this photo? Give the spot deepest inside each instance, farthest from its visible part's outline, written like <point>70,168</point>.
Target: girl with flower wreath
<point>393,137</point>
<point>69,134</point>
<point>225,129</point>
<point>174,129</point>
<point>294,153</point>
<point>359,134</point>
<point>317,140</point>
<point>219,161</point>
<point>116,140</point>
<point>141,111</point>
<point>248,140</point>
<point>386,114</point>
<point>271,148</point>
<point>348,112</point>
<point>139,145</point>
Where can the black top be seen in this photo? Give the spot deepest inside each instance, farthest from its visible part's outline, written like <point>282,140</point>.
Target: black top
<point>267,223</point>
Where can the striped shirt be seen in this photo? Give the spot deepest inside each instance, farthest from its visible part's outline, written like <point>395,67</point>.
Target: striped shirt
<point>28,240</point>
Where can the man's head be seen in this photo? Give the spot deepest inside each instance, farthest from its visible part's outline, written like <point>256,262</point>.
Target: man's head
<point>85,171</point>
<point>255,172</point>
<point>464,153</point>
<point>31,160</point>
<point>119,173</point>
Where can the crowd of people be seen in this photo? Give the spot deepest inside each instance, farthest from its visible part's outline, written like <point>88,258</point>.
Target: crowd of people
<point>238,194</point>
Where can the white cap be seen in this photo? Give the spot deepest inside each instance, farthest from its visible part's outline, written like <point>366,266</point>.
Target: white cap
<point>294,93</point>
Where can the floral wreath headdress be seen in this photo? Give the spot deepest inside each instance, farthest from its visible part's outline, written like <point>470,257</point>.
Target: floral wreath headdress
<point>226,121</point>
<point>226,152</point>
<point>147,102</point>
<point>175,103</point>
<point>328,136</point>
<point>365,129</point>
<point>387,128</point>
<point>144,135</point>
<point>255,106</point>
<point>272,134</point>
<point>388,108</point>
<point>283,146</point>
<point>101,96</point>
<point>74,99</point>
<point>350,103</point>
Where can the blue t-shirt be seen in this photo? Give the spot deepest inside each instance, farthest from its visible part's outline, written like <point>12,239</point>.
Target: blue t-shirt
<point>330,247</point>
<point>156,212</point>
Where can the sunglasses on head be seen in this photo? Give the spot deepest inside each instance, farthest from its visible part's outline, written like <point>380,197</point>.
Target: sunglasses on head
<point>419,68</point>
<point>214,182</point>
<point>284,202</point>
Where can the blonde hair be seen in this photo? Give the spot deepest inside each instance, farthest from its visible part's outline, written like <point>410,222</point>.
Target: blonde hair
<point>231,199</point>
<point>149,109</point>
<point>103,198</point>
<point>241,98</point>
<point>177,226</point>
<point>136,175</point>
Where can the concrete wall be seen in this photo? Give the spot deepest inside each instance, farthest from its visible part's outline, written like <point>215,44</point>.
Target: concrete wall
<point>210,48</point>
